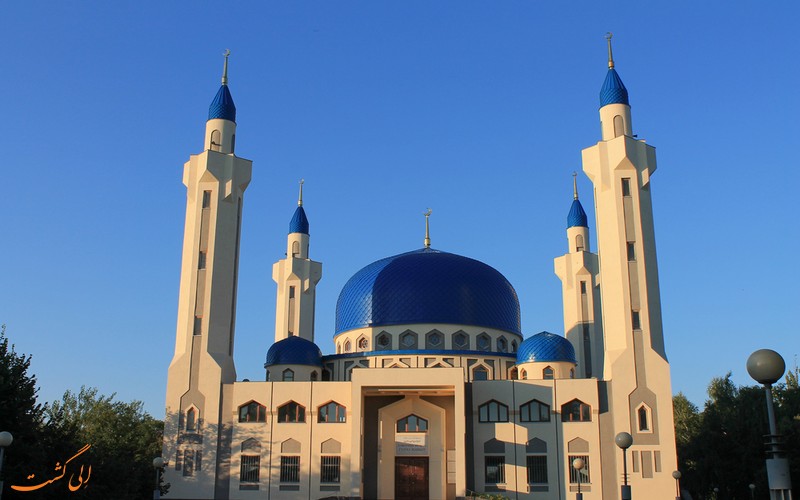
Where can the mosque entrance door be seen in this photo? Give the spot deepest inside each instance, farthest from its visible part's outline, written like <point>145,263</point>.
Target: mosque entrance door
<point>411,478</point>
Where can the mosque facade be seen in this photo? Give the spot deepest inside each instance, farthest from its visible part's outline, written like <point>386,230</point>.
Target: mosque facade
<point>434,391</point>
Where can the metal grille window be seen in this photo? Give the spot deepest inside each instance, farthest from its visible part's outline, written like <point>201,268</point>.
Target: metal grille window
<point>537,469</point>
<point>534,411</point>
<point>330,469</point>
<point>290,469</point>
<point>573,472</point>
<point>493,412</point>
<point>250,469</point>
<point>331,412</point>
<point>495,470</point>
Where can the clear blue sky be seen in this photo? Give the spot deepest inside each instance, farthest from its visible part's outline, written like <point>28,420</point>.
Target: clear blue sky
<point>478,110</point>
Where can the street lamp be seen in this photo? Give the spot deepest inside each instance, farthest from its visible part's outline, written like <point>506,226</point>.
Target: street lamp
<point>767,367</point>
<point>5,440</point>
<point>752,491</point>
<point>158,464</point>
<point>677,476</point>
<point>624,441</point>
<point>578,464</point>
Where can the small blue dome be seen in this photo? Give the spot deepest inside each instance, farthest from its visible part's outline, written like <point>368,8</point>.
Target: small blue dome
<point>546,347</point>
<point>294,351</point>
<point>222,106</point>
<point>576,217</point>
<point>613,91</point>
<point>299,222</point>
<point>428,286</point>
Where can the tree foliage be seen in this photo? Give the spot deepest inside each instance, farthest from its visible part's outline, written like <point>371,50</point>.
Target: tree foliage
<point>723,446</point>
<point>123,439</point>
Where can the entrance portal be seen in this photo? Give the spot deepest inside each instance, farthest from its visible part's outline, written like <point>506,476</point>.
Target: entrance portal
<point>411,478</point>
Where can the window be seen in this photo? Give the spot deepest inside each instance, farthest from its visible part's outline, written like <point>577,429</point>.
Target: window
<point>572,373</point>
<point>643,418</point>
<point>493,412</point>
<point>290,469</point>
<point>548,373</point>
<point>314,376</point>
<point>348,346</point>
<point>191,420</point>
<point>201,260</point>
<point>534,411</point>
<point>287,375</point>
<point>206,199</point>
<point>291,412</point>
<point>331,412</point>
<point>513,346</point>
<point>252,412</point>
<point>502,344</point>
<point>363,343</point>
<point>537,469</point>
<point>480,373</point>
<point>434,339</point>
<point>636,322</point>
<point>384,341</point>
<point>412,423</point>
<point>198,325</point>
<point>513,374</point>
<point>583,288</point>
<point>250,468</point>
<point>495,470</point>
<point>626,187</point>
<point>631,252</point>
<point>330,468</point>
<point>188,462</point>
<point>295,248</point>
<point>576,411</point>
<point>460,340</point>
<point>580,246</point>
<point>484,343</point>
<point>408,340</point>
<point>584,473</point>
<point>523,375</point>
<point>215,140</point>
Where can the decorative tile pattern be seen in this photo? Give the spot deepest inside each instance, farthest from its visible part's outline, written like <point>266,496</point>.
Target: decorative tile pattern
<point>613,91</point>
<point>299,222</point>
<point>576,217</point>
<point>222,106</point>
<point>294,351</point>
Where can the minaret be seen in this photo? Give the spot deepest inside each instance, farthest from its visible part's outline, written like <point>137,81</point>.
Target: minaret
<point>215,181</point>
<point>297,277</point>
<point>578,271</point>
<point>636,375</point>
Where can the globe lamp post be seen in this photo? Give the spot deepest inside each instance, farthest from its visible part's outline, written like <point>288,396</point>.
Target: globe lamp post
<point>752,491</point>
<point>5,440</point>
<point>677,476</point>
<point>767,367</point>
<point>578,464</point>
<point>158,464</point>
<point>624,440</point>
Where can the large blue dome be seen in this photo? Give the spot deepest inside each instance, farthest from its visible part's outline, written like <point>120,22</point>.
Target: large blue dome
<point>428,286</point>
<point>294,351</point>
<point>546,347</point>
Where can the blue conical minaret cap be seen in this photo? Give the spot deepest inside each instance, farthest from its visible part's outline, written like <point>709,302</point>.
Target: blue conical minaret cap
<point>576,217</point>
<point>222,106</point>
<point>299,222</point>
<point>613,91</point>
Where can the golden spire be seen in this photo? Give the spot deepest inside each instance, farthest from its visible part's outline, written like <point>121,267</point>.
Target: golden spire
<point>300,198</point>
<point>610,57</point>
<point>225,67</point>
<point>427,215</point>
<point>575,185</point>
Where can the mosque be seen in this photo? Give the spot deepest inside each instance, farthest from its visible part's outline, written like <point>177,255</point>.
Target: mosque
<point>434,391</point>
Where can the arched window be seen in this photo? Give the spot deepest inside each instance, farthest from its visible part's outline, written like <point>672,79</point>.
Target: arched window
<point>295,248</point>
<point>534,411</point>
<point>580,246</point>
<point>619,126</point>
<point>572,373</point>
<point>314,376</point>
<point>412,423</point>
<point>548,373</point>
<point>291,412</point>
<point>252,412</point>
<point>643,419</point>
<point>216,141</point>
<point>480,373</point>
<point>576,411</point>
<point>493,411</point>
<point>513,374</point>
<point>348,346</point>
<point>288,375</point>
<point>523,375</point>
<point>331,412</point>
<point>513,346</point>
<point>191,420</point>
<point>502,344</point>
